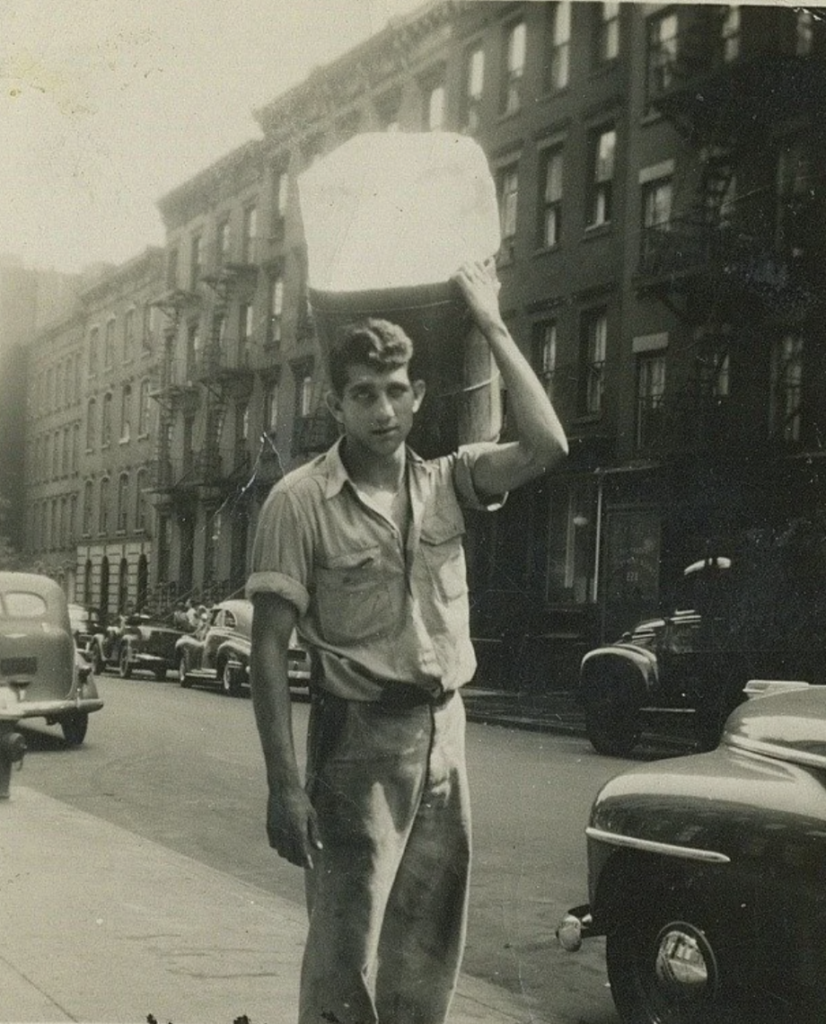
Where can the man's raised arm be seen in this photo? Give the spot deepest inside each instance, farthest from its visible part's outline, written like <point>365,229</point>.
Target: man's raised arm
<point>541,439</point>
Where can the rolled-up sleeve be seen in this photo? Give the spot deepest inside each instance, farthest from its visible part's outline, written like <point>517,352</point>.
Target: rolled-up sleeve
<point>281,551</point>
<point>464,458</point>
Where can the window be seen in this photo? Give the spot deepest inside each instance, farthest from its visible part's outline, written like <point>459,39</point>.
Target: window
<point>91,423</point>
<point>109,346</point>
<point>550,212</point>
<point>141,485</point>
<point>305,395</point>
<point>276,309</point>
<point>650,396</point>
<point>508,197</point>
<point>434,114</point>
<point>656,217</point>
<point>281,191</point>
<point>143,408</point>
<point>387,111</point>
<point>786,387</point>
<point>94,345</point>
<point>474,84</point>
<point>64,453</point>
<point>602,150</point>
<point>796,192</point>
<point>126,413</point>
<point>558,45</point>
<point>662,53</point>
<point>148,316</point>
<point>106,421</point>
<point>75,448</point>
<point>129,335</point>
<point>193,349</point>
<point>103,508</point>
<point>195,261</point>
<point>730,33</point>
<point>607,32</point>
<point>87,508</point>
<point>123,502</point>
<point>242,428</point>
<point>271,409</point>
<point>804,28</point>
<point>544,353</point>
<point>595,341</point>
<point>222,243</point>
<point>172,269</point>
<point>72,519</point>
<point>56,455</point>
<point>514,68</point>
<point>250,233</point>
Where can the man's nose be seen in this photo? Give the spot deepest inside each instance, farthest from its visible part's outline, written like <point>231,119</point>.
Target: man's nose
<point>384,408</point>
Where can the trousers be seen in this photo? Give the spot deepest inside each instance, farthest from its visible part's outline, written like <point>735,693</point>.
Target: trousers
<point>387,895</point>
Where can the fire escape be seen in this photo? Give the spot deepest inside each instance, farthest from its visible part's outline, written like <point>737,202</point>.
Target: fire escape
<point>735,260</point>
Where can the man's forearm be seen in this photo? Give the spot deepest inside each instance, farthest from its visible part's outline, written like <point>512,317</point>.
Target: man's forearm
<point>273,711</point>
<point>538,428</point>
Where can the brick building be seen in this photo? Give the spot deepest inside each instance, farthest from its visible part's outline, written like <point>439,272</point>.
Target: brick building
<point>660,178</point>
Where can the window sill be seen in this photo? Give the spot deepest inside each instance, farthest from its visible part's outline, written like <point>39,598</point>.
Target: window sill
<point>584,419</point>
<point>546,250</point>
<point>124,440</point>
<point>596,230</point>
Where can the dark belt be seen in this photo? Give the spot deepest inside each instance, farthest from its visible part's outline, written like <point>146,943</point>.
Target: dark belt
<point>408,695</point>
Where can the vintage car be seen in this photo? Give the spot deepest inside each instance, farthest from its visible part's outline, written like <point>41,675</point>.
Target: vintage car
<point>219,652</point>
<point>42,674</point>
<point>707,873</point>
<point>137,643</point>
<point>696,660</point>
<point>84,625</point>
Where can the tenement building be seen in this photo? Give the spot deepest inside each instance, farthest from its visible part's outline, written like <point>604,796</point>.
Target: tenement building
<point>660,174</point>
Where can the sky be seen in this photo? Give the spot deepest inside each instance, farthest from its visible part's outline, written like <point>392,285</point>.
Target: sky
<point>106,105</point>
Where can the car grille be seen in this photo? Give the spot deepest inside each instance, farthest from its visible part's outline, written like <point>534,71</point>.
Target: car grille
<point>18,666</point>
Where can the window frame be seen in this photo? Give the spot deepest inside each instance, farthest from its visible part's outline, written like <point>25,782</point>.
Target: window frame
<point>548,155</point>
<point>600,192</point>
<point>513,66</point>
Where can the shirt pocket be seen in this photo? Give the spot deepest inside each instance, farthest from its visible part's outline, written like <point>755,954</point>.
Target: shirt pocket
<point>443,553</point>
<point>353,597</point>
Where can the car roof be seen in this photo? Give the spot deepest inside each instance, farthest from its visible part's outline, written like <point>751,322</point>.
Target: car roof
<point>239,607</point>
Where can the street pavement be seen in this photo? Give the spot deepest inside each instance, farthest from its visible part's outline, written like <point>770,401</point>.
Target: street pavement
<point>138,932</point>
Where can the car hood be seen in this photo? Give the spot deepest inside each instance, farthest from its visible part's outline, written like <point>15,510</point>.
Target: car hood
<point>788,726</point>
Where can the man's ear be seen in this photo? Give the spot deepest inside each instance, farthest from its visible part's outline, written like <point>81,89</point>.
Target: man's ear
<point>419,389</point>
<point>334,405</point>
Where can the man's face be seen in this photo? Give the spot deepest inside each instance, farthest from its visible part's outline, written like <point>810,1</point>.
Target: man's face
<point>376,408</point>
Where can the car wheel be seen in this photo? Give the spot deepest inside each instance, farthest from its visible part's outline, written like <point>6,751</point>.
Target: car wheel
<point>74,727</point>
<point>674,964</point>
<point>183,672</point>
<point>125,664</point>
<point>612,726</point>
<point>229,679</point>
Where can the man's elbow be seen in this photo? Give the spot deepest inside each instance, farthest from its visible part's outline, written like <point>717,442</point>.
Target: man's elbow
<point>544,455</point>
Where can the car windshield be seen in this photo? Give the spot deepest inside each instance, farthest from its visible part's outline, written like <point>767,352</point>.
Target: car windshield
<point>21,604</point>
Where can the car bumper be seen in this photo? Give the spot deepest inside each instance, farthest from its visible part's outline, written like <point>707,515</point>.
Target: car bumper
<point>576,926</point>
<point>14,711</point>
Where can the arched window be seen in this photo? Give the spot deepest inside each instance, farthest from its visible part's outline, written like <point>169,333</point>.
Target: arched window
<point>91,418</point>
<point>143,408</point>
<point>106,421</point>
<point>141,483</point>
<point>87,583</point>
<point>129,335</point>
<point>126,413</point>
<point>109,345</point>
<point>123,503</point>
<point>87,508</point>
<point>94,345</point>
<point>103,509</point>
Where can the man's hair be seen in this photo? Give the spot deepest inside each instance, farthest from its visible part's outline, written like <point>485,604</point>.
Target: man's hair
<point>375,343</point>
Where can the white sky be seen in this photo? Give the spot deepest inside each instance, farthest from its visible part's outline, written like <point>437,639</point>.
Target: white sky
<point>105,105</point>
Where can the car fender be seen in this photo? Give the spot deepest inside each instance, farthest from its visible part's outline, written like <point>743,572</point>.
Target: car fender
<point>235,650</point>
<point>618,664</point>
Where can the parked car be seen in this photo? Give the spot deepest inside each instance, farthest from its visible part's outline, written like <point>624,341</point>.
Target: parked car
<point>695,660</point>
<point>42,674</point>
<point>220,652</point>
<point>138,643</point>
<point>84,625</point>
<point>707,874</point>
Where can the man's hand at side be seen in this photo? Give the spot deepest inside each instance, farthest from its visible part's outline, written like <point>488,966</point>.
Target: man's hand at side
<point>292,827</point>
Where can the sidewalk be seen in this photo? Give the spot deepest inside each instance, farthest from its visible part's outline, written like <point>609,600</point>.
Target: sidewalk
<point>556,711</point>
<point>98,924</point>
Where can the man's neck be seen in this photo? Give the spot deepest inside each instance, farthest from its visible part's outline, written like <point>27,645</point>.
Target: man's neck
<point>364,469</point>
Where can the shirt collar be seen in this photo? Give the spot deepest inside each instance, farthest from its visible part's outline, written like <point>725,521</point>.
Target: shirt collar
<point>337,475</point>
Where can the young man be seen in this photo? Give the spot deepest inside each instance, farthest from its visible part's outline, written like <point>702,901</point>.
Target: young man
<point>362,548</point>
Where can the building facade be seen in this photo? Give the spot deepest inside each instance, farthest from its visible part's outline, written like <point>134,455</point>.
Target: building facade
<point>660,172</point>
